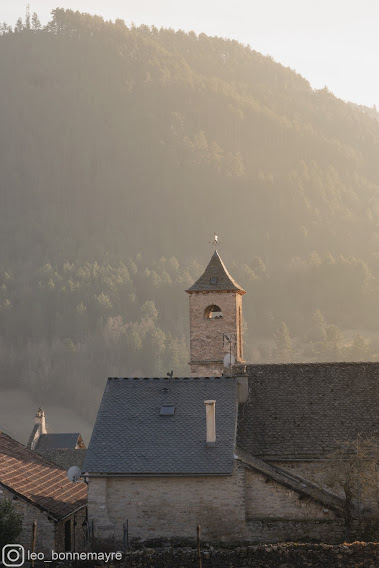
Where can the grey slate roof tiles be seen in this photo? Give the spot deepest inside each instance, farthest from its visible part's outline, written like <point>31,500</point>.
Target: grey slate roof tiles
<point>216,278</point>
<point>304,410</point>
<point>130,436</point>
<point>54,441</point>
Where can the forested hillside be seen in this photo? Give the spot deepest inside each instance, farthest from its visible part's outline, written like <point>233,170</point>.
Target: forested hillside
<point>122,149</point>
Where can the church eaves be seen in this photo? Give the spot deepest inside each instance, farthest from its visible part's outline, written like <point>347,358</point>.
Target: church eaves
<point>216,278</point>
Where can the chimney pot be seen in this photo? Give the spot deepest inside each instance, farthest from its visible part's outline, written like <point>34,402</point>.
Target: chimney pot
<point>210,409</point>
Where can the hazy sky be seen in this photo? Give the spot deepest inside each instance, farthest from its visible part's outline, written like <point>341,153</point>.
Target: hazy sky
<point>329,42</point>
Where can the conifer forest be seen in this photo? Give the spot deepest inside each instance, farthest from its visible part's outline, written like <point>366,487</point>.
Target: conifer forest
<point>123,149</point>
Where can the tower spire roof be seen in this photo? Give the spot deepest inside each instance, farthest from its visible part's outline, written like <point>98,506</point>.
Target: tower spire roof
<point>216,278</point>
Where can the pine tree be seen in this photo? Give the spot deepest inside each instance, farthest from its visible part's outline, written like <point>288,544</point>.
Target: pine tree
<point>10,523</point>
<point>358,350</point>
<point>27,18</point>
<point>331,345</point>
<point>36,24</point>
<point>283,350</point>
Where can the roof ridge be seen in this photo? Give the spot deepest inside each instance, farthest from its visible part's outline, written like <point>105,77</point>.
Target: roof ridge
<point>168,378</point>
<point>35,457</point>
<point>61,434</point>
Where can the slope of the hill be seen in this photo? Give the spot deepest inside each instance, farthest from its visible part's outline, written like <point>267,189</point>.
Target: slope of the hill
<point>118,139</point>
<point>121,151</point>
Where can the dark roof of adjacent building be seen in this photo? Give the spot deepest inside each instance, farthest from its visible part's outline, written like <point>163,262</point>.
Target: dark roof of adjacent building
<point>216,278</point>
<point>55,441</point>
<point>132,437</point>
<point>306,409</point>
<point>38,481</point>
<point>64,458</point>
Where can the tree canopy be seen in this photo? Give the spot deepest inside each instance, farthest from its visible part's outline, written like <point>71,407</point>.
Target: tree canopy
<point>122,149</point>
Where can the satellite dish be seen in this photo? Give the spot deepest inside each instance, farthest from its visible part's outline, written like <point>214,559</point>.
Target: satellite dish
<point>229,360</point>
<point>74,473</point>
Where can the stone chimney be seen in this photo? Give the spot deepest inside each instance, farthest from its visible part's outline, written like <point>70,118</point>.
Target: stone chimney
<point>40,419</point>
<point>38,429</point>
<point>210,408</point>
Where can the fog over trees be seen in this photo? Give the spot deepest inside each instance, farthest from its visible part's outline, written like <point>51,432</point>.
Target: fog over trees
<point>122,149</point>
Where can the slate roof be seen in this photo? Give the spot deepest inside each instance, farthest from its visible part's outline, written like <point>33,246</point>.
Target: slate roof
<point>131,437</point>
<point>223,281</point>
<point>64,458</point>
<point>304,410</point>
<point>38,481</point>
<point>55,441</point>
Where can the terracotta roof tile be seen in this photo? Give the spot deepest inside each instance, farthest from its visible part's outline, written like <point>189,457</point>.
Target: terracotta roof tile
<point>39,481</point>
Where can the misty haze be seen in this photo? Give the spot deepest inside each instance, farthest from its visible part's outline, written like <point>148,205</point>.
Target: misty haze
<point>123,149</point>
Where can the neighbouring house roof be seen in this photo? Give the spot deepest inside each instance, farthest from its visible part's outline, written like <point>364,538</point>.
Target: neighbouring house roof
<point>55,441</point>
<point>304,410</point>
<point>64,458</point>
<point>216,278</point>
<point>38,481</point>
<point>134,436</point>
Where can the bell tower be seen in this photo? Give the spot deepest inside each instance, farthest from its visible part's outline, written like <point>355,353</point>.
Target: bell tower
<point>215,302</point>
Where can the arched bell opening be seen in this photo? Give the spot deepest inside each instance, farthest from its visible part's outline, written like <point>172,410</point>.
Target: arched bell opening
<point>213,312</point>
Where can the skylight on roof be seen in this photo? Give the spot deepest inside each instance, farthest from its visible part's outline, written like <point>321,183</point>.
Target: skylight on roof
<point>213,280</point>
<point>167,410</point>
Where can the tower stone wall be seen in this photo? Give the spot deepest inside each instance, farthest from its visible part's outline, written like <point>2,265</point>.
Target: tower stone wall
<point>215,309</point>
<point>207,345</point>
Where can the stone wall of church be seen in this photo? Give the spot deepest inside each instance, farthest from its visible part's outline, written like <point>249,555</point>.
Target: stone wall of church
<point>206,335</point>
<point>314,471</point>
<point>266,499</point>
<point>169,506</point>
<point>275,513</point>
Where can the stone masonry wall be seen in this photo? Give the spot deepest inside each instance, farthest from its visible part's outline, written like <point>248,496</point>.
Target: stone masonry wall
<point>45,527</point>
<point>266,498</point>
<point>315,472</point>
<point>301,530</point>
<point>206,335</point>
<point>357,555</point>
<point>275,513</point>
<point>78,533</point>
<point>50,534</point>
<point>169,506</point>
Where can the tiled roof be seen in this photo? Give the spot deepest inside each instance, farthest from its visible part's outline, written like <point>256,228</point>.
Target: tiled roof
<point>64,458</point>
<point>216,279</point>
<point>39,481</point>
<point>54,441</point>
<point>306,409</point>
<point>130,435</point>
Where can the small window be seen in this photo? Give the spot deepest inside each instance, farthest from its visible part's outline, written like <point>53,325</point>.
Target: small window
<point>213,280</point>
<point>213,312</point>
<point>167,410</point>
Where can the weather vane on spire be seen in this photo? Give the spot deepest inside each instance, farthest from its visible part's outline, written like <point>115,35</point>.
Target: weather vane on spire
<point>215,241</point>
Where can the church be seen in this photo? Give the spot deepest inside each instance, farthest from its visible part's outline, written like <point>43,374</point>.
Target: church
<point>237,448</point>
